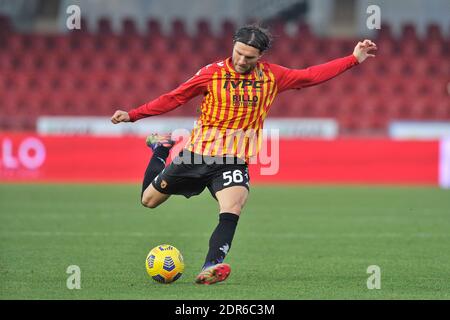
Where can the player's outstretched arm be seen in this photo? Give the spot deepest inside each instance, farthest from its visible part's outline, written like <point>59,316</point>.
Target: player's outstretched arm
<point>314,75</point>
<point>361,51</point>
<point>120,116</point>
<point>196,85</point>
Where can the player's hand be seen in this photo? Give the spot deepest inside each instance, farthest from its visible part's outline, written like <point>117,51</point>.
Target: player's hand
<point>362,49</point>
<point>120,116</point>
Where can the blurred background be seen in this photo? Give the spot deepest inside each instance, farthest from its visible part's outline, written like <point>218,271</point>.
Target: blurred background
<point>128,53</point>
<point>123,54</point>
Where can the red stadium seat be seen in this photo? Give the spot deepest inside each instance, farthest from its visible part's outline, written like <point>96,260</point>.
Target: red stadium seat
<point>5,25</point>
<point>104,26</point>
<point>435,49</point>
<point>154,28</point>
<point>131,44</point>
<point>400,108</point>
<point>183,46</point>
<point>85,43</point>
<point>429,67</point>
<point>61,44</point>
<point>304,32</point>
<point>129,27</point>
<point>334,48</point>
<point>410,47</point>
<point>8,103</point>
<point>228,29</point>
<point>206,47</point>
<point>278,28</point>
<point>14,43</point>
<point>384,33</point>
<point>92,73</point>
<point>324,108</point>
<point>409,32</point>
<point>419,109</point>
<point>158,46</point>
<point>442,107</point>
<point>107,42</point>
<point>204,29</point>
<point>178,29</point>
<point>348,125</point>
<point>285,49</point>
<point>386,47</point>
<point>434,32</point>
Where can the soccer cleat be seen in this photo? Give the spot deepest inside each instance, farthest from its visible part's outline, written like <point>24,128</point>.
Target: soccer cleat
<point>155,140</point>
<point>213,274</point>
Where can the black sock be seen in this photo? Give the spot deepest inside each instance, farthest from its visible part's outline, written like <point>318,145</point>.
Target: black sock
<point>155,166</point>
<point>221,238</point>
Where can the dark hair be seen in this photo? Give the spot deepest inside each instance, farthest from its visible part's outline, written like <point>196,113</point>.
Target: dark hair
<point>255,36</point>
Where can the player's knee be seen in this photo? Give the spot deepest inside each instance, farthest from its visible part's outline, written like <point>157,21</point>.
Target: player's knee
<point>149,202</point>
<point>235,207</point>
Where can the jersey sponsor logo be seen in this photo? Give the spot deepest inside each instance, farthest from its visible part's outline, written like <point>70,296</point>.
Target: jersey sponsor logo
<point>242,83</point>
<point>245,100</point>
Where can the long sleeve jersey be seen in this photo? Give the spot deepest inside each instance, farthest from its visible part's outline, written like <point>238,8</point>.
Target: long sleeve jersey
<point>235,105</point>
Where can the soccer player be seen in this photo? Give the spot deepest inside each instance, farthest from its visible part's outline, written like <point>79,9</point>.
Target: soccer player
<point>237,95</point>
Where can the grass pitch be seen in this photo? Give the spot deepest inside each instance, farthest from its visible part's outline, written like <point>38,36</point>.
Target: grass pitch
<point>293,242</point>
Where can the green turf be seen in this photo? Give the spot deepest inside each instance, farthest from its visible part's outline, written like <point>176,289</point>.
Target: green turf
<point>291,243</point>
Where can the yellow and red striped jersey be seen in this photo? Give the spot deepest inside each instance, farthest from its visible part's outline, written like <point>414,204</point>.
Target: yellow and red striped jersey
<point>235,105</point>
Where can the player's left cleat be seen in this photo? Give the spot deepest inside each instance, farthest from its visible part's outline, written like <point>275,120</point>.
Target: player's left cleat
<point>216,273</point>
<point>155,140</point>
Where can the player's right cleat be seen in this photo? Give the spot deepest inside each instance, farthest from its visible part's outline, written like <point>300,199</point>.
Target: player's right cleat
<point>216,273</point>
<point>155,140</point>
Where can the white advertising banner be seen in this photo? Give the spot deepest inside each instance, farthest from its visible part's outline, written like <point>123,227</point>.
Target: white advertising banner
<point>102,126</point>
<point>419,130</point>
<point>444,163</point>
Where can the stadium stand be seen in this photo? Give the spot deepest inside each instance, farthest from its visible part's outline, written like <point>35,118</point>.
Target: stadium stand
<point>87,73</point>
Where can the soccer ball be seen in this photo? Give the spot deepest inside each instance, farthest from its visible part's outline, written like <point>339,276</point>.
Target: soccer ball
<point>164,264</point>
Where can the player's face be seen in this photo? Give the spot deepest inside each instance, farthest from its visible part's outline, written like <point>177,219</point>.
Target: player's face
<point>244,57</point>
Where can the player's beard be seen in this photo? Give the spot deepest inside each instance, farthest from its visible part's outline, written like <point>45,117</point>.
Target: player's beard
<point>245,70</point>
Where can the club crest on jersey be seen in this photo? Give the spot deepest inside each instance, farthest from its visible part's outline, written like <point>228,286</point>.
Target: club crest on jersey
<point>259,73</point>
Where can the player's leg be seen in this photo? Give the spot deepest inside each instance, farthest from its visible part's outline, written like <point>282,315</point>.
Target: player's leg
<point>161,145</point>
<point>231,201</point>
<point>181,177</point>
<point>152,198</point>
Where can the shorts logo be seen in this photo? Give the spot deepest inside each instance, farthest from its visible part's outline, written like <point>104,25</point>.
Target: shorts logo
<point>163,184</point>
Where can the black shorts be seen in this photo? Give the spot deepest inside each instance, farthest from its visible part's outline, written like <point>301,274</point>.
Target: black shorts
<point>190,173</point>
